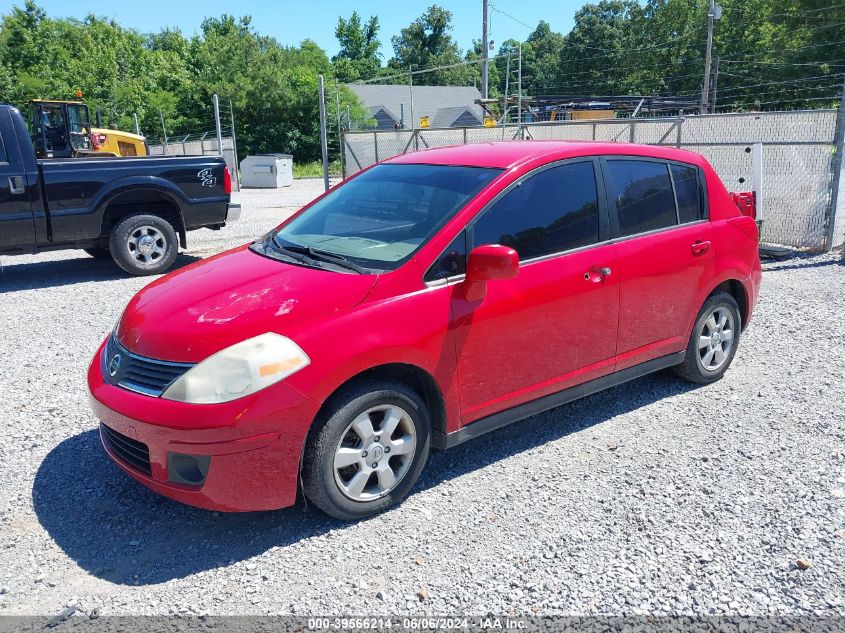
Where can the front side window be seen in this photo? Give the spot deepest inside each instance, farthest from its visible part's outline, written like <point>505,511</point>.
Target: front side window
<point>381,218</point>
<point>553,211</point>
<point>643,194</point>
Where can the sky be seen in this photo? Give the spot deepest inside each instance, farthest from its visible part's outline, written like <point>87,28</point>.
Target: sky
<point>291,22</point>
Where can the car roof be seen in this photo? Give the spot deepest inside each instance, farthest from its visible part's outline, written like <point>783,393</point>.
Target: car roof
<point>507,154</point>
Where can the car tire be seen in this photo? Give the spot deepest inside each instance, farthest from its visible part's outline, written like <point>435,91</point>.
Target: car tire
<point>143,244</point>
<point>713,342</point>
<point>347,458</point>
<point>98,252</point>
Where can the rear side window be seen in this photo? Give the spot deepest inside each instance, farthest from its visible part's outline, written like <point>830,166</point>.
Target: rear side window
<point>643,194</point>
<point>688,193</point>
<point>553,211</point>
<point>3,157</point>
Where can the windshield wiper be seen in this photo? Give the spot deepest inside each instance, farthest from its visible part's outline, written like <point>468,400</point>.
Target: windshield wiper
<point>295,254</point>
<point>339,260</point>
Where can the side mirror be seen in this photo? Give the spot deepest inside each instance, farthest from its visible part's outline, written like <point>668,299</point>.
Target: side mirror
<point>492,261</point>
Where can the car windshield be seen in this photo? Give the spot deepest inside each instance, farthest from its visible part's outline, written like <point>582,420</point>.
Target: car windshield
<point>381,218</point>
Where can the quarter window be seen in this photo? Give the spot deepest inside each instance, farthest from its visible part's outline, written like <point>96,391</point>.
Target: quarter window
<point>553,211</point>
<point>643,194</point>
<point>452,262</point>
<point>688,193</point>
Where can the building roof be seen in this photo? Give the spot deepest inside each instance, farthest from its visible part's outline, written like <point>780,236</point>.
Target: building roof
<point>507,154</point>
<point>442,104</point>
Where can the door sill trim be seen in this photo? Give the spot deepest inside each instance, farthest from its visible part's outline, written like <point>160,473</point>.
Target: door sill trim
<point>520,412</point>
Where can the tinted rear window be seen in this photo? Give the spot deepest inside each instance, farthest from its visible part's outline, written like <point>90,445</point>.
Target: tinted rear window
<point>688,192</point>
<point>643,194</point>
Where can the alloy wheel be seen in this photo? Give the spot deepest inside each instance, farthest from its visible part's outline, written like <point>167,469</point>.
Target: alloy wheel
<point>147,245</point>
<point>716,339</point>
<point>375,452</point>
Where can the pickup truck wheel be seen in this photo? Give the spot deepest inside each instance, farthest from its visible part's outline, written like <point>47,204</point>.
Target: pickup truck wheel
<point>143,244</point>
<point>713,342</point>
<point>365,454</point>
<point>98,252</point>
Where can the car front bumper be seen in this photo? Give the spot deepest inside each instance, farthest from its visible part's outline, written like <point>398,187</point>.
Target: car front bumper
<point>251,446</point>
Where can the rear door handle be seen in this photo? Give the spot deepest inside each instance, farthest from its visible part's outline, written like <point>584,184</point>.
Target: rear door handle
<point>596,274</point>
<point>699,248</point>
<point>16,185</point>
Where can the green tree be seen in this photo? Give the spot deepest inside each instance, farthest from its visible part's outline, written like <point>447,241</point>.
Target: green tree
<point>359,56</point>
<point>427,43</point>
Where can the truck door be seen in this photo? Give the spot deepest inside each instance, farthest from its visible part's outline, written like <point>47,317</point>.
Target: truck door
<point>17,227</point>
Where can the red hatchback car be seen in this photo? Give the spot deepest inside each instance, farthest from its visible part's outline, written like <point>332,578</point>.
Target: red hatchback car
<point>427,300</point>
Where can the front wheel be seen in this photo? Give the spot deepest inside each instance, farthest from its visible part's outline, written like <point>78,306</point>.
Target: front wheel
<point>713,342</point>
<point>143,244</point>
<point>367,452</point>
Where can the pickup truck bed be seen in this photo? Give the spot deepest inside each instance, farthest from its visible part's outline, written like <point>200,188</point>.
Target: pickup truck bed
<point>134,210</point>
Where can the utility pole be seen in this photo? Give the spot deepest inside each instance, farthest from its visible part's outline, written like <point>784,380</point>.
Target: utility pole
<point>705,87</point>
<point>715,85</point>
<point>485,47</point>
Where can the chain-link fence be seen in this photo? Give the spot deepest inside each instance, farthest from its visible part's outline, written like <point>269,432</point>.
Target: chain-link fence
<point>799,151</point>
<point>204,144</point>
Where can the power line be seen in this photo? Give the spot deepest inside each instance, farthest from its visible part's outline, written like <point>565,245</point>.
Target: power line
<point>508,15</point>
<point>758,63</point>
<point>772,83</point>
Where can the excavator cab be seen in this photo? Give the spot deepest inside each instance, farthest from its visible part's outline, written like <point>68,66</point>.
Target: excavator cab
<point>60,129</point>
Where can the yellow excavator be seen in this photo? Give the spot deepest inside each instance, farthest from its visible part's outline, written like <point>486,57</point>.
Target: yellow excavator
<point>62,129</point>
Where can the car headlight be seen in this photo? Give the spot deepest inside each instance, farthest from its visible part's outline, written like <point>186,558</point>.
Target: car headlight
<point>239,370</point>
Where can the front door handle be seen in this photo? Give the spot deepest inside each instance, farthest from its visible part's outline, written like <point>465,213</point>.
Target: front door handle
<point>16,185</point>
<point>699,248</point>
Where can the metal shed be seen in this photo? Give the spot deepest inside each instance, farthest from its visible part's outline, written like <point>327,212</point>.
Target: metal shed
<point>269,171</point>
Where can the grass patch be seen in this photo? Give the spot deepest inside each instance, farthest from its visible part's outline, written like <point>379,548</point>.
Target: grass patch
<point>314,169</point>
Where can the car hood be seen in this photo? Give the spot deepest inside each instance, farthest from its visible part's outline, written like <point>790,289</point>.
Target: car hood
<point>192,313</point>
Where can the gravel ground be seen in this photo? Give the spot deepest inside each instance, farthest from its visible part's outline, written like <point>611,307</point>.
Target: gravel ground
<point>653,497</point>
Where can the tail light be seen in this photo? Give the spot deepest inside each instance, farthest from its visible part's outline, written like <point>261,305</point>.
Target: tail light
<point>227,180</point>
<point>746,202</point>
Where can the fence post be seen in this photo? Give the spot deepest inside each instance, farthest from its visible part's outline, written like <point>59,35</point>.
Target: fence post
<point>632,135</point>
<point>680,125</point>
<point>836,166</point>
<point>375,144</point>
<point>217,126</point>
<point>324,142</point>
<point>163,131</point>
<point>235,147</point>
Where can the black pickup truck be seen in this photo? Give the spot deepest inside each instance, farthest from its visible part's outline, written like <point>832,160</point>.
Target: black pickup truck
<point>136,211</point>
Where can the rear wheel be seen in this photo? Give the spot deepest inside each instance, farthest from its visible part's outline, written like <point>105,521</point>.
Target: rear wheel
<point>143,244</point>
<point>368,451</point>
<point>713,342</point>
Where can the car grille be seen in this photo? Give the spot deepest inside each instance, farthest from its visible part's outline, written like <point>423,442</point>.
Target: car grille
<point>148,376</point>
<point>131,452</point>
